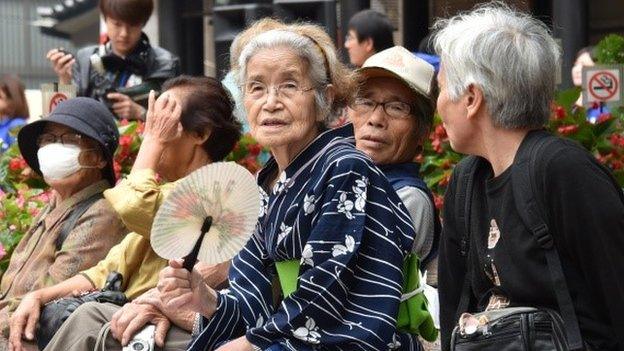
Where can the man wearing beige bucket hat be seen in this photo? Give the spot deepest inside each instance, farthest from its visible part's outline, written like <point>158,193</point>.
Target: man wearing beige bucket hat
<point>392,114</point>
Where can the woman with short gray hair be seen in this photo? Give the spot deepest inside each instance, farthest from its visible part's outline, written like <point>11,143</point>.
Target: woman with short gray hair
<point>530,219</point>
<point>511,58</point>
<point>328,216</point>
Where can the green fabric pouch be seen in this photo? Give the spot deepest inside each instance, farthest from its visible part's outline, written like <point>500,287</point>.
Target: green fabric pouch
<point>413,318</point>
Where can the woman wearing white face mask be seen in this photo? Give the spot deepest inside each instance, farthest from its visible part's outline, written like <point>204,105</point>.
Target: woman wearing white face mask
<point>73,150</point>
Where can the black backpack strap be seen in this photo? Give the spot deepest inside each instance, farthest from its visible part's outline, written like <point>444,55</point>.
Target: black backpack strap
<point>524,187</point>
<point>75,213</point>
<point>465,176</point>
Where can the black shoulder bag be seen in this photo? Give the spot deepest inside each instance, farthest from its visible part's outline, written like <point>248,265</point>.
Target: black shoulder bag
<point>517,328</point>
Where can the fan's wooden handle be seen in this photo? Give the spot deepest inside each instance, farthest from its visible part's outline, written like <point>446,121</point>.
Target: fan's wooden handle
<point>191,259</point>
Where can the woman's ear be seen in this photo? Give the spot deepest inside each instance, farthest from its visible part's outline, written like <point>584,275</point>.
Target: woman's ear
<point>474,101</point>
<point>330,95</point>
<point>200,139</point>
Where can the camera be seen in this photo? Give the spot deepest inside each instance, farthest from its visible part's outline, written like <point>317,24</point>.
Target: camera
<point>138,93</point>
<point>143,340</point>
<point>64,51</point>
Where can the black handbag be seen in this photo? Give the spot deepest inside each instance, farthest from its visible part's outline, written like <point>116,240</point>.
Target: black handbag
<point>507,329</point>
<point>55,313</point>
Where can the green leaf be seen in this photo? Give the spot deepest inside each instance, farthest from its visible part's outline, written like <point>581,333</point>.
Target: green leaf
<point>567,98</point>
<point>128,129</point>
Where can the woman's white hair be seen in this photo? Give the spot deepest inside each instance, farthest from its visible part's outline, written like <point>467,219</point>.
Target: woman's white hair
<point>509,55</point>
<point>305,48</point>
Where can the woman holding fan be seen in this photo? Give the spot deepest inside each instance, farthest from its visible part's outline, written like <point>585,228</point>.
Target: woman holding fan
<point>328,212</point>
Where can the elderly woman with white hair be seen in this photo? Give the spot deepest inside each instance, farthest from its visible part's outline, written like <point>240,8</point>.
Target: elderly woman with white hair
<point>328,213</point>
<point>530,220</point>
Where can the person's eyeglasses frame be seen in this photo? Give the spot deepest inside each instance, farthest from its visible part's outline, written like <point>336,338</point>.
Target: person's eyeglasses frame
<point>277,88</point>
<point>79,140</point>
<point>358,107</point>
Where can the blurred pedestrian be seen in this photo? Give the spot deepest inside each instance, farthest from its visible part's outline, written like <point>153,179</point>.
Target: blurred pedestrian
<point>369,32</point>
<point>126,59</point>
<point>13,109</point>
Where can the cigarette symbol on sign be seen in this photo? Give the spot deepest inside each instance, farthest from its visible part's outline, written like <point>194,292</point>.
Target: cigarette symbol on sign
<point>603,86</point>
<point>607,83</point>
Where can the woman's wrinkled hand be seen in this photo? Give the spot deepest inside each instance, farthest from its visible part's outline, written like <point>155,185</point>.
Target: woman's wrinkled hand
<point>24,321</point>
<point>132,317</point>
<point>181,289</point>
<point>162,121</point>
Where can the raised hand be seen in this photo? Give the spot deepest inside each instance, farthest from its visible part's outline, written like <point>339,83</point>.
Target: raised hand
<point>62,63</point>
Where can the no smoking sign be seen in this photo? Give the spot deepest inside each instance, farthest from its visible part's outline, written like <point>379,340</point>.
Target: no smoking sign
<point>602,84</point>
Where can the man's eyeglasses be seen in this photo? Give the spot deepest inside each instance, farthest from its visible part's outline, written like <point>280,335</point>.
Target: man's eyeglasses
<point>258,90</point>
<point>65,139</point>
<point>394,109</point>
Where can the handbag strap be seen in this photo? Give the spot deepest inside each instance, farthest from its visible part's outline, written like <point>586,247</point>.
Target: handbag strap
<point>75,214</point>
<point>524,187</point>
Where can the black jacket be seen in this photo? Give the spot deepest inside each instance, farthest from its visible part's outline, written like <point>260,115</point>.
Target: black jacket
<point>151,63</point>
<point>586,219</point>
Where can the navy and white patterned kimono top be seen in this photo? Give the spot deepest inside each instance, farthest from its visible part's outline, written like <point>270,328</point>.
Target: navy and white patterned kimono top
<point>333,210</point>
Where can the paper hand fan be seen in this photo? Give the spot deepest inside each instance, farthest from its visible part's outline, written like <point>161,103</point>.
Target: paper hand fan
<point>209,215</point>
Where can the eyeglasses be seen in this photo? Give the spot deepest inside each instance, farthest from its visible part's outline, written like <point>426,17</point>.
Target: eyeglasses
<point>258,90</point>
<point>65,139</point>
<point>394,109</point>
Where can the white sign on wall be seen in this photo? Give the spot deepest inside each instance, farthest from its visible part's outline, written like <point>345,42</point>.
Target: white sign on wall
<point>602,84</point>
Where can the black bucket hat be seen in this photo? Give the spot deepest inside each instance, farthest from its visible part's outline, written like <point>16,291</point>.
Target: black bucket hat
<point>84,115</point>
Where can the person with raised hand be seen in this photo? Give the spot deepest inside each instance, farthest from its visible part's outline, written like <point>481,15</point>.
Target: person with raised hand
<point>188,126</point>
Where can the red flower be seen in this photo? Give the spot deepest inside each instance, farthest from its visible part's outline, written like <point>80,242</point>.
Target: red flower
<point>255,149</point>
<point>440,132</point>
<point>140,127</point>
<point>436,144</point>
<point>117,169</point>
<point>560,113</point>
<point>444,181</point>
<point>125,141</point>
<point>567,130</point>
<point>17,164</point>
<point>604,117</point>
<point>616,139</point>
<point>438,200</point>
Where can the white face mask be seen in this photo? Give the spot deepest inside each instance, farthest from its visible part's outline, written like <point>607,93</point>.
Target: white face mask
<point>58,161</point>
